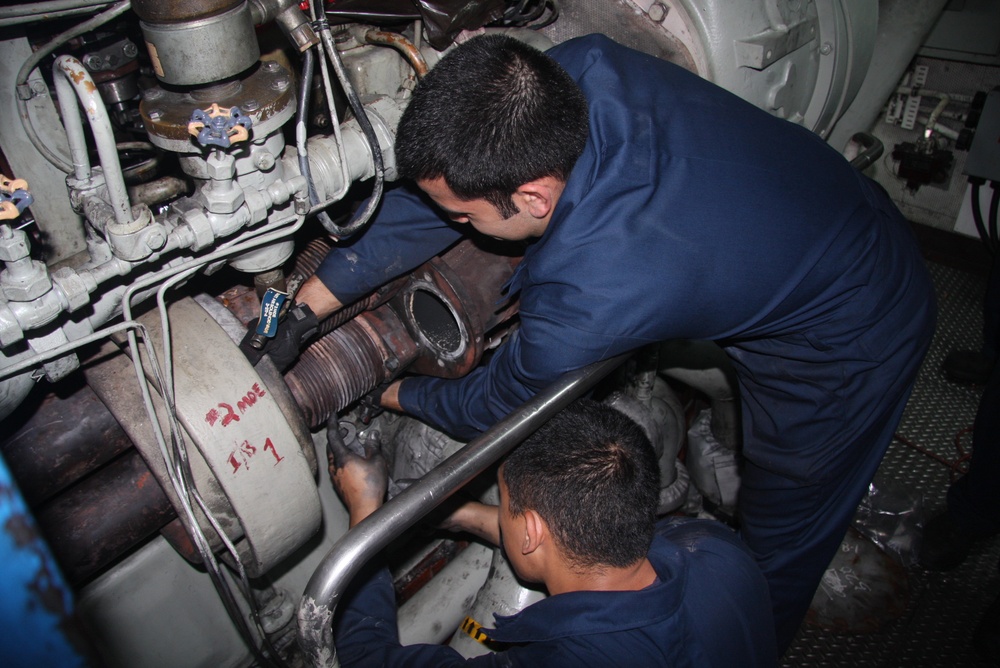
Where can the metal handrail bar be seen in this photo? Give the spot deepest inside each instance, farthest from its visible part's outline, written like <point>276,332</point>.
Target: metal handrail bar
<point>353,550</point>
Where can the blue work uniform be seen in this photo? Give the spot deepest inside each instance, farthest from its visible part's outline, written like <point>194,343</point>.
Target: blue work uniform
<point>707,609</point>
<point>694,215</point>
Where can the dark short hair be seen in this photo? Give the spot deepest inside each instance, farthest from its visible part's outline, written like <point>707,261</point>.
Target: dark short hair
<point>493,115</point>
<point>591,473</point>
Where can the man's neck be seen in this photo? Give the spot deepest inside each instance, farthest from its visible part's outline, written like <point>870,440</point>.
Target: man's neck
<point>630,578</point>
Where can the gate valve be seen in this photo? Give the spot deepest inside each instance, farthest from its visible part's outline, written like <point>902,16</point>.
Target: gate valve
<point>14,197</point>
<point>220,127</point>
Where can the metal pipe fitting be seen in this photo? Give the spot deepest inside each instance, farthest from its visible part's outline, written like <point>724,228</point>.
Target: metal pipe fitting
<point>289,17</point>
<point>72,77</point>
<point>194,43</point>
<point>357,546</point>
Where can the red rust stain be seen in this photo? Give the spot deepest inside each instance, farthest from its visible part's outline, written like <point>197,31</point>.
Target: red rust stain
<point>143,479</point>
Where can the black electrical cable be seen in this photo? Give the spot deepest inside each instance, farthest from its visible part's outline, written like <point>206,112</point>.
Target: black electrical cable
<point>515,11</point>
<point>301,124</point>
<point>977,215</point>
<point>336,231</point>
<point>994,205</point>
<point>536,12</point>
<point>552,16</point>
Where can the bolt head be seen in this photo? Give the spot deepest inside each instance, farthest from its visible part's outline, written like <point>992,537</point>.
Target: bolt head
<point>658,12</point>
<point>155,114</point>
<point>156,239</point>
<point>250,105</point>
<point>130,50</point>
<point>263,160</point>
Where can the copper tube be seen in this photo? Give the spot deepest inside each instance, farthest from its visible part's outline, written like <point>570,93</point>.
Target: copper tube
<point>401,44</point>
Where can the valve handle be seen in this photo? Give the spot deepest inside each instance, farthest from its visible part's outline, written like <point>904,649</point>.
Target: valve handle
<point>220,127</point>
<point>14,197</point>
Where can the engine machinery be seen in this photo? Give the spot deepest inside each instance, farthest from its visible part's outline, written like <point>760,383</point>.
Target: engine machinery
<point>167,163</point>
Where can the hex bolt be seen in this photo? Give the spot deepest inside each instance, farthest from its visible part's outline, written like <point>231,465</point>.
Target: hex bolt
<point>271,66</point>
<point>250,105</point>
<point>658,12</point>
<point>155,239</point>
<point>263,160</point>
<point>280,84</point>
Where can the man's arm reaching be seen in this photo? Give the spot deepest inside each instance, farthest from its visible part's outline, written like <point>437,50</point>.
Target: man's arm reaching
<point>365,629</point>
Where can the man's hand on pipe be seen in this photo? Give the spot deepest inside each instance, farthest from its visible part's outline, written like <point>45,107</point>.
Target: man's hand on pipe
<point>294,329</point>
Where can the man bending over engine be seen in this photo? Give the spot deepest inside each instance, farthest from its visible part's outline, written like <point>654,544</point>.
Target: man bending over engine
<point>578,515</point>
<point>656,206</point>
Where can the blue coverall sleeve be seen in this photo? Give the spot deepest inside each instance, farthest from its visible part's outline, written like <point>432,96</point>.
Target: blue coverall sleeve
<point>365,632</point>
<point>541,351</point>
<point>406,232</point>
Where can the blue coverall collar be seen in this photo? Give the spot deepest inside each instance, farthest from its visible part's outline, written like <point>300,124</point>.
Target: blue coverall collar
<point>585,612</point>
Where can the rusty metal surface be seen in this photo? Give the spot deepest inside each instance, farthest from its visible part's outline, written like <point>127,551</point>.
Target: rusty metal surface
<point>266,95</point>
<point>401,44</point>
<point>342,366</point>
<point>437,324</point>
<point>452,303</point>
<point>178,11</point>
<point>60,442</point>
<point>92,524</point>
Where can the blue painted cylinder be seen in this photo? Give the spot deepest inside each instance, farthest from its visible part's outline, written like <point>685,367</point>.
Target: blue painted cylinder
<point>36,606</point>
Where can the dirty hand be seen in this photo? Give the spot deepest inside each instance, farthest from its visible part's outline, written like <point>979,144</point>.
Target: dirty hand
<point>359,473</point>
<point>298,325</point>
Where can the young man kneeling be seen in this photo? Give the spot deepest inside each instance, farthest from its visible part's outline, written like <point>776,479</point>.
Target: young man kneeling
<point>577,514</point>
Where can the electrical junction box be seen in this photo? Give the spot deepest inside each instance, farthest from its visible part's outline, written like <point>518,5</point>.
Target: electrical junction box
<point>983,160</point>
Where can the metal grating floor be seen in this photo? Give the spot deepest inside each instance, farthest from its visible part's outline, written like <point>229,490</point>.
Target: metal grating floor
<point>943,608</point>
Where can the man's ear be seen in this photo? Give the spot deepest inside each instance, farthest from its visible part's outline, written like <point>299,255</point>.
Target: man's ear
<point>536,532</point>
<point>538,198</point>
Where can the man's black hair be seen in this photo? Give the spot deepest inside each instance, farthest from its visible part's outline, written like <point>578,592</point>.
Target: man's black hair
<point>493,115</point>
<point>591,473</point>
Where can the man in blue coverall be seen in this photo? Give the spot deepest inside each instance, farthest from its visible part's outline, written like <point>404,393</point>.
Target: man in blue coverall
<point>578,515</point>
<point>659,206</point>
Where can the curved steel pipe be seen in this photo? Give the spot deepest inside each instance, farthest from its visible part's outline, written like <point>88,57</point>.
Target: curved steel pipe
<point>357,546</point>
<point>401,44</point>
<point>73,81</point>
